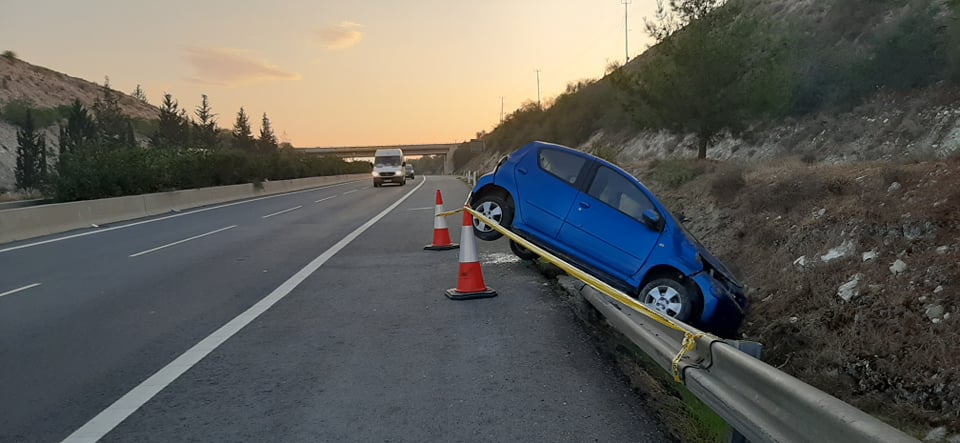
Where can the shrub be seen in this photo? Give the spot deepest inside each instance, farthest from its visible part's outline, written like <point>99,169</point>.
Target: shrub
<point>677,171</point>
<point>727,184</point>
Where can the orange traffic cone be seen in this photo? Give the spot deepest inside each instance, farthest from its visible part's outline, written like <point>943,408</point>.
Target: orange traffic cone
<point>441,235</point>
<point>470,285</point>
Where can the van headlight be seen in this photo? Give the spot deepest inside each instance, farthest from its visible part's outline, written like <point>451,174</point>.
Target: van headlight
<point>376,174</point>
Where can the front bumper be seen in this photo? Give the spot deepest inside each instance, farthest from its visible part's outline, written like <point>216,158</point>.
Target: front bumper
<point>724,306</point>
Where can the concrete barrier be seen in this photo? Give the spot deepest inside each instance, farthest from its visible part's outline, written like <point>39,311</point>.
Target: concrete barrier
<point>24,223</point>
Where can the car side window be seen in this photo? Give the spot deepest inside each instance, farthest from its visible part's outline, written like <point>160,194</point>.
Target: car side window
<point>563,165</point>
<point>619,193</point>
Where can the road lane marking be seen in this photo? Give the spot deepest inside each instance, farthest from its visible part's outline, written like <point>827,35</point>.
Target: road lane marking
<point>325,199</point>
<point>181,214</point>
<point>350,192</point>
<point>116,413</point>
<point>282,212</point>
<point>422,209</point>
<point>20,289</point>
<point>181,241</point>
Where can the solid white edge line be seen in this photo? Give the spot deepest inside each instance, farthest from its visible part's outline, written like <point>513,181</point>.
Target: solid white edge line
<point>423,209</point>
<point>181,241</point>
<point>325,199</point>
<point>14,291</point>
<point>282,212</point>
<point>181,214</point>
<point>109,418</point>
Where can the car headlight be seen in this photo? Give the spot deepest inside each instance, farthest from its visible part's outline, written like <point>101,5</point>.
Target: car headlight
<point>376,174</point>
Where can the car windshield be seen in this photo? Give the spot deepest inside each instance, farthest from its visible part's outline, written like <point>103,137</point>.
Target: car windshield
<point>388,160</point>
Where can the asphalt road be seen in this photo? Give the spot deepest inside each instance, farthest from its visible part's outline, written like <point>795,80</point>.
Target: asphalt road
<point>311,316</point>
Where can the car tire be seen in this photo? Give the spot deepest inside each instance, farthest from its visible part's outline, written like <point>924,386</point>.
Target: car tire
<point>495,208</point>
<point>377,184</point>
<point>671,298</point>
<point>522,252</point>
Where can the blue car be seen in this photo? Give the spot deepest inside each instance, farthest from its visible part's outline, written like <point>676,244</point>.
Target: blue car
<point>603,220</point>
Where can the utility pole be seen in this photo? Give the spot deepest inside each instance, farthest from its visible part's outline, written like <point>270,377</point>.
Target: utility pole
<point>501,109</point>
<point>538,90</point>
<point>626,33</point>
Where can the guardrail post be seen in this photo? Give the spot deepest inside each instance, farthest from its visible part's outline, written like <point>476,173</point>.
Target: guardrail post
<point>753,349</point>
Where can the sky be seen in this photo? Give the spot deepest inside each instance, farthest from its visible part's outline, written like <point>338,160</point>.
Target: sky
<point>333,73</point>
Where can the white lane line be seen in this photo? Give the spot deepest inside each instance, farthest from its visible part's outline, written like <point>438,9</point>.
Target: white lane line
<point>20,289</point>
<point>350,192</point>
<point>325,199</point>
<point>181,214</point>
<point>422,209</point>
<point>282,212</point>
<point>181,241</point>
<point>116,413</point>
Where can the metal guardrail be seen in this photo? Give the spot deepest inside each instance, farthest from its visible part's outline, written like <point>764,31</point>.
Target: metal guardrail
<point>761,402</point>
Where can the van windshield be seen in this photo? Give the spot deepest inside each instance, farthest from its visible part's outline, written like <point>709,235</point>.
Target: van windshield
<point>388,160</point>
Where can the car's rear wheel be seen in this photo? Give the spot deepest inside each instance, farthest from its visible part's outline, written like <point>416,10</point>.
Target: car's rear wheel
<point>495,208</point>
<point>670,298</point>
<point>522,252</point>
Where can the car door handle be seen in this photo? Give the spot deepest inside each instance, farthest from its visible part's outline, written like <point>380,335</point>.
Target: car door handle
<point>583,205</point>
<point>522,171</point>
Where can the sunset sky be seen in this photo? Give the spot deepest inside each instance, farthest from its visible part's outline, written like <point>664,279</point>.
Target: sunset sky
<point>333,73</point>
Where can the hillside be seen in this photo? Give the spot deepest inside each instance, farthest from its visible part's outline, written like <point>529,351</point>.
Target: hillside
<point>23,84</point>
<point>837,210</point>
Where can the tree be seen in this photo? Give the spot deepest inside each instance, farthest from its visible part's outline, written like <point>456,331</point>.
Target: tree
<point>31,168</point>
<point>8,54</point>
<point>112,125</point>
<point>242,134</point>
<point>205,129</point>
<point>80,131</point>
<point>139,94</point>
<point>268,140</point>
<point>173,130</point>
<point>711,70</point>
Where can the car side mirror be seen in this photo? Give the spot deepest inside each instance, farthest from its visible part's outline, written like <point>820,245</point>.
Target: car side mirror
<point>652,219</point>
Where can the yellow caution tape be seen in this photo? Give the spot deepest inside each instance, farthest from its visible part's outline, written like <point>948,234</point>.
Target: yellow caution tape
<point>449,213</point>
<point>689,338</point>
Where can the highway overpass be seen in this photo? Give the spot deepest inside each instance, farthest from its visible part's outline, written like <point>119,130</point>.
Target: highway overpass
<point>444,149</point>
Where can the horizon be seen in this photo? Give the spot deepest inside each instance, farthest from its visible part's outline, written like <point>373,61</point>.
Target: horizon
<point>331,74</point>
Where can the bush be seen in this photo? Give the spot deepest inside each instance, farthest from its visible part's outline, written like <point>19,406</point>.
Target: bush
<point>92,174</point>
<point>15,112</point>
<point>727,184</point>
<point>9,54</point>
<point>677,171</point>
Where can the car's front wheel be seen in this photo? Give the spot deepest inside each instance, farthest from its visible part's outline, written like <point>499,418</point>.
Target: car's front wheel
<point>670,298</point>
<point>522,252</point>
<point>495,208</point>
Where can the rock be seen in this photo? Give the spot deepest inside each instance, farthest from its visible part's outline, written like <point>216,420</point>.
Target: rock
<point>953,438</point>
<point>819,214</point>
<point>894,187</point>
<point>869,256</point>
<point>800,262</point>
<point>938,289</point>
<point>936,434</point>
<point>934,312</point>
<point>922,299</point>
<point>946,316</point>
<point>846,248</point>
<point>794,319</point>
<point>898,267</point>
<point>851,289</point>
<point>943,250</point>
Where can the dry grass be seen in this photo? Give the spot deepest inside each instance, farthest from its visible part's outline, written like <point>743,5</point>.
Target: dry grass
<point>879,351</point>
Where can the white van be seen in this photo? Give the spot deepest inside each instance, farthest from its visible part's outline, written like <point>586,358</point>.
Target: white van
<point>388,167</point>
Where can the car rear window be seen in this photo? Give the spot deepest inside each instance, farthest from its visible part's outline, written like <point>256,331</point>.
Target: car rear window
<point>563,165</point>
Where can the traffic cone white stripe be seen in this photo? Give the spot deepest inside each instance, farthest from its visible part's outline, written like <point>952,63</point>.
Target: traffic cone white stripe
<point>468,245</point>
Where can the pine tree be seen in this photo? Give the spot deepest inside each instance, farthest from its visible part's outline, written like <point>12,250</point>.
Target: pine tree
<point>112,124</point>
<point>80,131</point>
<point>139,94</point>
<point>268,140</point>
<point>31,168</point>
<point>242,134</point>
<point>173,128</point>
<point>205,129</point>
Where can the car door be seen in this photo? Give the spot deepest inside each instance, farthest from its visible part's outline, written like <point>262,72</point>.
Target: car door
<point>605,227</point>
<point>546,187</point>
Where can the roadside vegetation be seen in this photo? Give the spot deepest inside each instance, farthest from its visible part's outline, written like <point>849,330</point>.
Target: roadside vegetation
<point>100,152</point>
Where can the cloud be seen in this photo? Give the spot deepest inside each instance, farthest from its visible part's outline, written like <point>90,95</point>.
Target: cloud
<point>231,67</point>
<point>340,36</point>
